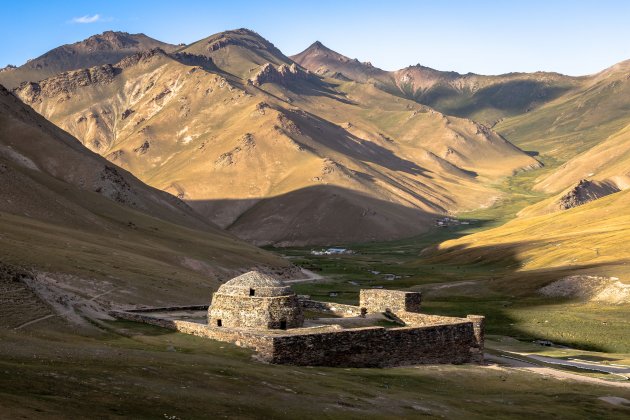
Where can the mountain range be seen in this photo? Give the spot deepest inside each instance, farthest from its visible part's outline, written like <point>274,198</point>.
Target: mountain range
<point>273,152</point>
<point>318,148</point>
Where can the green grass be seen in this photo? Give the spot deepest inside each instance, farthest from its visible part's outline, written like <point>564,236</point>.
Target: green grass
<point>141,371</point>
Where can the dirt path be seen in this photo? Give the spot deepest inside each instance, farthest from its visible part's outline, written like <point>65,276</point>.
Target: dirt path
<point>26,324</point>
<point>102,294</point>
<point>310,276</point>
<point>623,371</point>
<point>559,374</point>
<point>437,286</point>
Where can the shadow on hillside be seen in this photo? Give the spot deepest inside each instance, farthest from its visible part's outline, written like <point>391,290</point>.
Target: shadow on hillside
<point>204,62</point>
<point>498,268</point>
<point>323,214</point>
<point>342,141</point>
<point>515,96</point>
<point>315,86</point>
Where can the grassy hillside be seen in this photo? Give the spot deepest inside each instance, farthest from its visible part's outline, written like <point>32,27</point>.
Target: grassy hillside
<point>487,99</point>
<point>576,121</point>
<point>607,161</point>
<point>589,237</point>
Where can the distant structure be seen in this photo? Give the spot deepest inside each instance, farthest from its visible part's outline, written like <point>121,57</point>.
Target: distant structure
<point>261,312</point>
<point>332,251</point>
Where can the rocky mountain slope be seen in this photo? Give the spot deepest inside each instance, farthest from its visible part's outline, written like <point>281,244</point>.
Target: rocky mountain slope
<point>273,152</point>
<point>485,99</point>
<point>81,226</point>
<point>108,47</point>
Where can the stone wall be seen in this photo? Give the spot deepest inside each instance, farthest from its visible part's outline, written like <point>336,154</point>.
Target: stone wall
<point>479,326</point>
<point>170,308</point>
<point>262,343</point>
<point>427,339</point>
<point>330,307</point>
<point>379,347</point>
<point>382,300</point>
<point>417,319</point>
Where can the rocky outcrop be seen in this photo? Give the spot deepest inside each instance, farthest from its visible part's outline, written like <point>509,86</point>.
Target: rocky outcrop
<point>109,40</point>
<point>584,192</point>
<point>66,83</point>
<point>114,186</point>
<point>140,57</point>
<point>589,288</point>
<point>245,144</point>
<point>194,60</point>
<point>243,38</point>
<point>282,74</point>
<point>9,67</point>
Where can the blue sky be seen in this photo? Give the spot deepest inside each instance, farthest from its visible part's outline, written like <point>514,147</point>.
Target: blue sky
<point>487,37</point>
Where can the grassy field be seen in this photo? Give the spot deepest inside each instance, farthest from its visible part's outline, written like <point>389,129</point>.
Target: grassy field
<point>147,372</point>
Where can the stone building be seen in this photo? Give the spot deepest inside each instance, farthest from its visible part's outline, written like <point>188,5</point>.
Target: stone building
<point>255,300</point>
<point>260,312</point>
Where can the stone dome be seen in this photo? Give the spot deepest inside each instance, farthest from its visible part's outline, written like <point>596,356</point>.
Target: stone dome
<point>255,283</point>
<point>255,278</point>
<point>255,300</point>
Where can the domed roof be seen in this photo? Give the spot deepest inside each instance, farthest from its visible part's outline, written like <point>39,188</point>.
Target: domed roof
<point>255,284</point>
<point>255,279</point>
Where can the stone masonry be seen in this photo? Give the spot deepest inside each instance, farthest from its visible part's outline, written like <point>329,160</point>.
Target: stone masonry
<point>271,324</point>
<point>381,300</point>
<point>255,300</point>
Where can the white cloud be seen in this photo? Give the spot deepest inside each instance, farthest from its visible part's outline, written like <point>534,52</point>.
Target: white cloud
<point>87,19</point>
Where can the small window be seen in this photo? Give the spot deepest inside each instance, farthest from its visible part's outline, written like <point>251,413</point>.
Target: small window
<point>219,323</point>
<point>283,325</point>
<point>252,292</point>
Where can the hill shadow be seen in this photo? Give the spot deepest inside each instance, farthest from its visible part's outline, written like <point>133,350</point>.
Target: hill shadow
<point>515,96</point>
<point>504,289</point>
<point>321,214</point>
<point>315,86</point>
<point>342,141</point>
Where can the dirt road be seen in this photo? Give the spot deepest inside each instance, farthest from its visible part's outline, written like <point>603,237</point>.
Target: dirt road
<point>555,373</point>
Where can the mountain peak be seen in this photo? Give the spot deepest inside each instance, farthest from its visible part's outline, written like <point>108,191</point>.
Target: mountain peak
<point>322,60</point>
<point>243,31</point>
<point>108,47</point>
<point>237,51</point>
<point>318,45</point>
<point>110,40</point>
